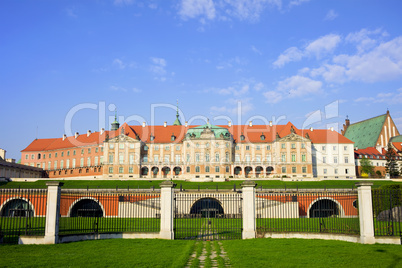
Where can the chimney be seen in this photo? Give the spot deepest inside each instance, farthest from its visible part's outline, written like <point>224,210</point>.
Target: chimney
<point>230,124</point>
<point>164,124</point>
<point>250,123</point>
<point>88,133</point>
<point>311,129</point>
<point>270,123</point>
<point>332,128</point>
<point>143,124</point>
<point>76,134</point>
<point>64,136</point>
<point>2,154</point>
<point>186,124</point>
<point>102,130</point>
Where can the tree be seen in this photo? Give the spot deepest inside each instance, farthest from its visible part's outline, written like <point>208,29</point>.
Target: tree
<point>366,167</point>
<point>391,166</point>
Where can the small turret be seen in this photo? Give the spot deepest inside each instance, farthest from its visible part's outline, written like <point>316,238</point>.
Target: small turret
<point>177,121</point>
<point>115,125</point>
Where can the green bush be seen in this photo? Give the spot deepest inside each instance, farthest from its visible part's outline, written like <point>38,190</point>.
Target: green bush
<point>386,197</point>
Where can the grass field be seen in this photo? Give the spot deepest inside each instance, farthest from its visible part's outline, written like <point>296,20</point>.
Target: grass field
<point>147,184</point>
<point>175,253</point>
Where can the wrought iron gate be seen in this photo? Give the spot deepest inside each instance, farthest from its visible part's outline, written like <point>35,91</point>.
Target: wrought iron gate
<point>208,216</point>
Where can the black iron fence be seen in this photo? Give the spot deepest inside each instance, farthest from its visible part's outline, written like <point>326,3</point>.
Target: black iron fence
<point>22,212</point>
<point>107,211</point>
<point>208,215</point>
<point>387,212</point>
<point>311,211</point>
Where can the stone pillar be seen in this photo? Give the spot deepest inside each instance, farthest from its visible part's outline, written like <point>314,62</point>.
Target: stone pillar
<point>365,212</point>
<point>248,188</point>
<point>167,209</point>
<point>52,212</point>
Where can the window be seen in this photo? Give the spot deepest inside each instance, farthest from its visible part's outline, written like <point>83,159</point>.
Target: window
<point>96,160</point>
<point>156,148</point>
<point>166,158</point>
<point>156,159</point>
<point>324,159</point>
<point>89,150</point>
<point>258,147</point>
<point>177,147</point>
<point>68,163</point>
<point>247,147</point>
<point>346,160</point>
<point>216,157</point>
<point>121,170</point>
<point>43,165</point>
<point>293,169</point>
<point>167,148</point>
<point>73,166</point>
<point>258,158</point>
<point>188,157</point>
<point>283,145</point>
<point>49,165</point>
<point>74,152</point>
<point>237,158</point>
<point>268,158</point>
<point>110,158</point>
<point>303,158</point>
<point>145,148</point>
<point>81,162</point>
<point>55,155</point>
<point>188,169</point>
<point>247,158</point>
<point>304,169</point>
<point>26,156</point>
<point>303,146</point>
<point>268,147</point>
<point>61,164</point>
<point>130,170</point>
<point>293,158</point>
<point>334,148</point>
<point>336,171</point>
<point>110,170</point>
<point>206,157</point>
<point>96,149</point>
<point>207,145</point>
<point>293,146</point>
<point>68,153</point>
<point>197,145</point>
<point>145,159</point>
<point>88,161</point>
<point>131,145</point>
<point>177,156</point>
<point>101,159</point>
<point>323,148</point>
<point>121,158</point>
<point>283,157</point>
<point>283,169</point>
<point>237,147</point>
<point>55,165</point>
<point>346,171</point>
<point>217,145</point>
<point>216,169</point>
<point>82,152</point>
<point>62,154</point>
<point>335,160</point>
<point>197,169</point>
<point>121,145</point>
<point>111,145</point>
<point>227,169</point>
<point>44,156</point>
<point>345,148</point>
<point>197,157</point>
<point>50,155</point>
<point>325,171</point>
<point>227,157</point>
<point>207,169</point>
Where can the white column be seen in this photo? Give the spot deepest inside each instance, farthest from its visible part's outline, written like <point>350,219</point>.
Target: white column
<point>365,213</point>
<point>167,195</point>
<point>248,188</point>
<point>52,212</point>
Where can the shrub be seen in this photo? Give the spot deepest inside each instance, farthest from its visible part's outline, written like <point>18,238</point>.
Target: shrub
<point>386,197</point>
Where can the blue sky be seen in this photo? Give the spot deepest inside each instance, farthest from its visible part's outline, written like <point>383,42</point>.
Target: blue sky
<point>67,65</point>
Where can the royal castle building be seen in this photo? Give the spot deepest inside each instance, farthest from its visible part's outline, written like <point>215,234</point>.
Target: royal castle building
<point>206,152</point>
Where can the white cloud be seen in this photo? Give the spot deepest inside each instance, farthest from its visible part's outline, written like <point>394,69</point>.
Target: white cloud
<point>136,90</point>
<point>259,86</point>
<point>290,54</point>
<point>273,96</point>
<point>236,61</point>
<point>254,49</point>
<point>331,15</point>
<point>233,91</point>
<point>123,2</point>
<point>116,88</point>
<point>323,45</point>
<point>297,86</point>
<point>234,107</point>
<point>71,12</point>
<point>318,48</point>
<point>119,63</point>
<point>249,9</point>
<point>158,67</point>
<point>297,2</point>
<point>382,97</point>
<point>197,8</point>
<point>363,40</point>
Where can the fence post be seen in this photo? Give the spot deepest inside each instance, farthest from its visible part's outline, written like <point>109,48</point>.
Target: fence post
<point>52,212</point>
<point>248,209</point>
<point>365,212</point>
<point>167,195</point>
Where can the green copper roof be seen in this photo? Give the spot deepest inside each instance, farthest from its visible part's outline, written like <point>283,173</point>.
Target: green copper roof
<point>396,139</point>
<point>177,121</point>
<point>365,133</point>
<point>195,132</point>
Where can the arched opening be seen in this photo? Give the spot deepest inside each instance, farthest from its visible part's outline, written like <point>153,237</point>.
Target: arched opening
<point>86,208</point>
<point>258,171</point>
<point>247,171</point>
<point>206,208</point>
<point>154,171</point>
<point>324,208</point>
<point>269,170</point>
<point>237,171</point>
<point>17,208</point>
<point>177,171</point>
<point>165,171</point>
<point>144,171</point>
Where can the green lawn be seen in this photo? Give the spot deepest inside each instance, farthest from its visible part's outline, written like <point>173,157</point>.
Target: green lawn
<point>310,253</point>
<point>147,184</point>
<point>175,253</point>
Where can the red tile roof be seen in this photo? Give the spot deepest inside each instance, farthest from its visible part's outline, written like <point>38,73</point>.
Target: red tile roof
<point>164,134</point>
<point>369,151</point>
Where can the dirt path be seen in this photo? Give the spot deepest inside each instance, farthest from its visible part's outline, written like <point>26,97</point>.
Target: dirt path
<point>208,254</point>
